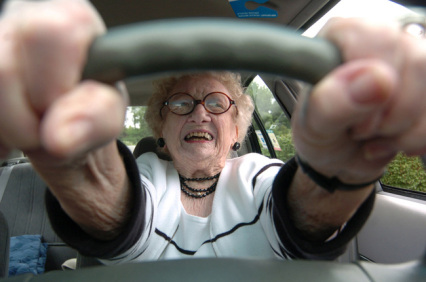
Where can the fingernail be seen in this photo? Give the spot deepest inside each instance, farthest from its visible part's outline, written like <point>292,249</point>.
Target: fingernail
<point>71,138</point>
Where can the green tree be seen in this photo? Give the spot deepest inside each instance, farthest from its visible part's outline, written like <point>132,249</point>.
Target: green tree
<point>406,172</point>
<point>137,128</point>
<point>273,118</point>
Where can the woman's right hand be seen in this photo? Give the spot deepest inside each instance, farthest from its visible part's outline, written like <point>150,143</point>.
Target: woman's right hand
<point>43,105</point>
<point>66,127</point>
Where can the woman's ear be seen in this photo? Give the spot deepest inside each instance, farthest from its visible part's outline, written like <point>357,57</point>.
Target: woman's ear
<point>235,144</point>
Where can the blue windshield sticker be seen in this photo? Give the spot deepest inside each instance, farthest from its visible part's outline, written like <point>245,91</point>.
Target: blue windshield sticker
<point>241,11</point>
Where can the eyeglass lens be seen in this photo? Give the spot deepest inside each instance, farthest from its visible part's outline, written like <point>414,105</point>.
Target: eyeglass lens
<point>183,103</point>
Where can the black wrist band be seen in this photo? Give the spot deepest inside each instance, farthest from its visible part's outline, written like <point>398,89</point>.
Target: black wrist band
<point>330,184</point>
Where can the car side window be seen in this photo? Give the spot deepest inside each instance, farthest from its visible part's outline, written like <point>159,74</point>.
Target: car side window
<point>403,173</point>
<point>273,124</point>
<point>135,127</point>
<point>406,173</point>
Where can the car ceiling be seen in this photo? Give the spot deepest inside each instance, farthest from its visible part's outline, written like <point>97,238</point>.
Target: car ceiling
<point>123,12</point>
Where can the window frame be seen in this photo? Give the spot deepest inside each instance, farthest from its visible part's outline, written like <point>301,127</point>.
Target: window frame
<point>403,192</point>
<point>268,141</point>
<point>257,118</point>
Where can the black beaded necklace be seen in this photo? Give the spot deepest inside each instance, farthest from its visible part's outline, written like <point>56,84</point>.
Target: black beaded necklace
<point>198,193</point>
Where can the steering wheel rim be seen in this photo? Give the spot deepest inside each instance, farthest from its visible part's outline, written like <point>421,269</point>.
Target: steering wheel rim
<point>208,44</point>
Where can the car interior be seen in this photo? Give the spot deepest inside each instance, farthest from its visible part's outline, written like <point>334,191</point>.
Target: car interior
<point>260,39</point>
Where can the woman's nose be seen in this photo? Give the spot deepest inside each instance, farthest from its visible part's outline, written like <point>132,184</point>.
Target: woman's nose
<point>199,114</point>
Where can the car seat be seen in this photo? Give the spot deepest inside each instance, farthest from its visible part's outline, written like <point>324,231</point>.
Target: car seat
<point>22,204</point>
<point>149,144</point>
<point>4,246</point>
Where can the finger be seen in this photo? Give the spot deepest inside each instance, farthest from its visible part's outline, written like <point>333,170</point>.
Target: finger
<point>410,103</point>
<point>88,117</point>
<point>389,43</point>
<point>19,123</point>
<point>54,38</point>
<point>365,38</point>
<point>24,73</point>
<point>349,97</point>
<point>411,142</point>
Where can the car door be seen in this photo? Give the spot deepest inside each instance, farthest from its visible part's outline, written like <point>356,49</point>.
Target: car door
<point>396,229</point>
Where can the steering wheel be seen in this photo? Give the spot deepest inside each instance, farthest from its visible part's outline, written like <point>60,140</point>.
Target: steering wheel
<point>199,44</point>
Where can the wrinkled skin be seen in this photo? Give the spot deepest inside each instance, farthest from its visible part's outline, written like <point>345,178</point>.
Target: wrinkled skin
<point>352,125</point>
<point>191,156</point>
<point>368,109</point>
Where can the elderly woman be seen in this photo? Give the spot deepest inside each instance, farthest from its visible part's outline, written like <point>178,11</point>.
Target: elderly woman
<point>108,205</point>
<point>203,204</point>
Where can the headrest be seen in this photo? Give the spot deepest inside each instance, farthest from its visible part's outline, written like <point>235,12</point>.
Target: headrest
<point>149,144</point>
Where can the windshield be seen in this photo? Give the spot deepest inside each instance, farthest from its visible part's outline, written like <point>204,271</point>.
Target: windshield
<point>374,9</point>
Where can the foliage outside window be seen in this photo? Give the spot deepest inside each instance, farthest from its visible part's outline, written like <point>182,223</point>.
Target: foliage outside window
<point>135,127</point>
<point>274,120</point>
<point>407,173</point>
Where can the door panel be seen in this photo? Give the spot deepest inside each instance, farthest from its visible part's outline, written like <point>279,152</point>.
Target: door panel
<point>395,231</point>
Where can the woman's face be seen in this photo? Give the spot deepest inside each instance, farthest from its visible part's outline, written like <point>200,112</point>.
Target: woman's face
<point>199,136</point>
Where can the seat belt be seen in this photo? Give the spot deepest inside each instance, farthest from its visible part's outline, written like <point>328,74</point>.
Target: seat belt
<point>4,179</point>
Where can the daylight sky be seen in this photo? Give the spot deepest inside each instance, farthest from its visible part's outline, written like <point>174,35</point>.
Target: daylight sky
<point>376,9</point>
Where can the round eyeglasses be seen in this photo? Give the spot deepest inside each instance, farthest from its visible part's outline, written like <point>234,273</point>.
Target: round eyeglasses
<point>184,104</point>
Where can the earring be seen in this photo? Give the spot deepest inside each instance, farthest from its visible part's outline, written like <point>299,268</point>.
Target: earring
<point>160,142</point>
<point>236,146</point>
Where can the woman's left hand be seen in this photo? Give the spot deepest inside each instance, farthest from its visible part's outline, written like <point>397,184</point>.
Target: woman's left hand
<point>356,119</point>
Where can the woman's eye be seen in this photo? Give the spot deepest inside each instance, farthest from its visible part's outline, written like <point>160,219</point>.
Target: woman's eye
<point>182,103</point>
<point>212,105</point>
<point>216,104</point>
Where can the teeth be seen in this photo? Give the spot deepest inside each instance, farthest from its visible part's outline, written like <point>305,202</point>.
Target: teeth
<point>204,135</point>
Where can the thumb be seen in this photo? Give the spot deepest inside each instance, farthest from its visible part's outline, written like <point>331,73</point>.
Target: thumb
<point>351,99</point>
<point>86,118</point>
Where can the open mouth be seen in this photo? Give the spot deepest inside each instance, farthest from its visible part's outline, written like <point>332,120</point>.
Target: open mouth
<point>198,136</point>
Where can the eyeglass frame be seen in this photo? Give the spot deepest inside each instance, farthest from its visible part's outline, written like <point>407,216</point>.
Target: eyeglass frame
<point>197,102</point>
